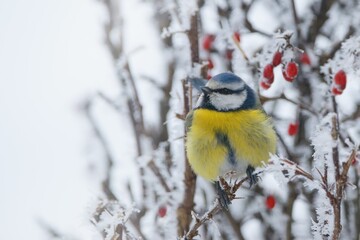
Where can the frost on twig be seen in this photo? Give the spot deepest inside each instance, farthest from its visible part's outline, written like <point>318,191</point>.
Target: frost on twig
<point>325,180</point>
<point>111,219</point>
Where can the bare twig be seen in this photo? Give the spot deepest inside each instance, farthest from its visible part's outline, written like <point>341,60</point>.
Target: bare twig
<point>109,157</point>
<point>237,44</point>
<point>319,21</point>
<point>296,20</point>
<point>158,174</point>
<point>283,97</point>
<point>246,8</point>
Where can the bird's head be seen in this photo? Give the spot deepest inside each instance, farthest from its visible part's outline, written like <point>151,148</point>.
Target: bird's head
<point>227,92</point>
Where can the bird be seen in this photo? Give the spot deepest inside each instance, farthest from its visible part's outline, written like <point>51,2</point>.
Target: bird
<point>228,131</point>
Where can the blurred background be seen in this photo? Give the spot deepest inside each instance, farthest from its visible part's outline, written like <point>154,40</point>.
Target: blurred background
<point>52,57</point>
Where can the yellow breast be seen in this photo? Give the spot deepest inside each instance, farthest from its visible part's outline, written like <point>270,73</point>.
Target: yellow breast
<point>250,134</point>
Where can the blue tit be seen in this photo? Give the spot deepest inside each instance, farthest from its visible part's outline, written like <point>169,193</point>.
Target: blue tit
<point>228,130</point>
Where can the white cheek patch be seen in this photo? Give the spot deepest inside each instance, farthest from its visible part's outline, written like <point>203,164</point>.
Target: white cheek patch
<point>228,102</point>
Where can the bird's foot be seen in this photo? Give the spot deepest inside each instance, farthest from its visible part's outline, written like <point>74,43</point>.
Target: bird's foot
<point>253,177</point>
<point>222,196</point>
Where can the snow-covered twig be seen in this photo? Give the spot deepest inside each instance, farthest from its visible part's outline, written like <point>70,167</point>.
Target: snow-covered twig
<point>231,192</point>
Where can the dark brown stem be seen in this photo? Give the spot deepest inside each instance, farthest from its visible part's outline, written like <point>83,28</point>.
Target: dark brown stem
<point>296,20</point>
<point>340,188</point>
<point>318,21</point>
<point>187,205</point>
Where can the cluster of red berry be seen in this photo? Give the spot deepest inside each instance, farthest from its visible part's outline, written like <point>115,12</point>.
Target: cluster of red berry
<point>208,46</point>
<point>339,83</point>
<point>289,71</point>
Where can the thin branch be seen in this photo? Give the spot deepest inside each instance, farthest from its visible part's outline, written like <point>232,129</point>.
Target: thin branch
<point>108,155</point>
<point>287,150</point>
<point>109,101</point>
<point>298,170</point>
<point>325,57</point>
<point>158,174</point>
<point>296,20</point>
<point>283,97</point>
<point>231,191</point>
<point>319,20</point>
<point>237,44</point>
<point>246,9</point>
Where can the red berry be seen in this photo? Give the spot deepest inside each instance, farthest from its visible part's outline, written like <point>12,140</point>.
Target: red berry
<point>305,59</point>
<point>268,71</point>
<point>291,70</point>
<point>336,91</point>
<point>210,64</point>
<point>293,129</point>
<point>340,79</point>
<point>270,202</point>
<point>353,161</point>
<point>162,211</point>
<point>208,77</point>
<point>229,53</point>
<point>208,42</point>
<point>286,77</point>
<point>276,58</point>
<point>265,85</point>
<point>236,36</point>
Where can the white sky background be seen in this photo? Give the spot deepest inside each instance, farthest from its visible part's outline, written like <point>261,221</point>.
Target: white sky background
<point>51,58</point>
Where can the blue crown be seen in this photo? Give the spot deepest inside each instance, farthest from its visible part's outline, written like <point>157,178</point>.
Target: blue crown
<point>227,78</point>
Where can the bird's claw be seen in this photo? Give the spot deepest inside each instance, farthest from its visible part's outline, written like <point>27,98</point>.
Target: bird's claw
<point>253,177</point>
<point>222,196</point>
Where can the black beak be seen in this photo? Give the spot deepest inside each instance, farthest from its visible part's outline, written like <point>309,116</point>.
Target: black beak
<point>206,90</point>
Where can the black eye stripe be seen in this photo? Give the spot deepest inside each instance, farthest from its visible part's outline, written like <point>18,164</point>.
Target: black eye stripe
<point>227,91</point>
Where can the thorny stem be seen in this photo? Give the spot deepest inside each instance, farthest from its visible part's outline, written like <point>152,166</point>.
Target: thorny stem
<point>340,188</point>
<point>336,201</point>
<point>230,190</point>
